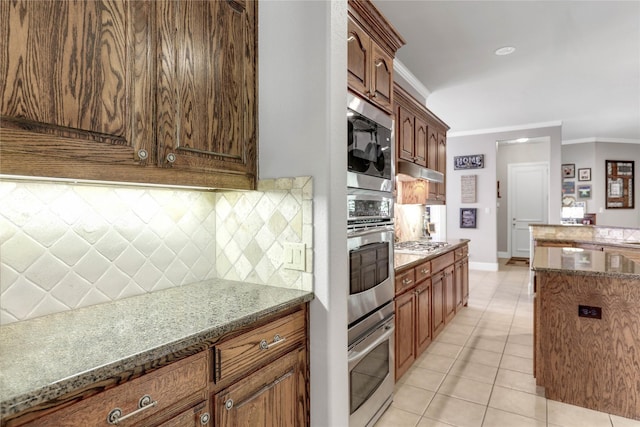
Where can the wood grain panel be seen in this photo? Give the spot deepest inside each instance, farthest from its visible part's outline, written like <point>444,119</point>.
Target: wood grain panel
<point>404,333</point>
<point>589,362</point>
<point>423,316</point>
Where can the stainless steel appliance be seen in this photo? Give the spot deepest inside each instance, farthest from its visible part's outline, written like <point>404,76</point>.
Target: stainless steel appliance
<point>419,246</point>
<point>371,366</point>
<point>370,145</point>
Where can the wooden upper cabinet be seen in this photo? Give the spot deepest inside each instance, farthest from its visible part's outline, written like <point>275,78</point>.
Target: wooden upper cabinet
<point>207,85</point>
<point>406,134</point>
<point>442,164</point>
<point>68,73</point>
<point>372,44</point>
<point>382,81</point>
<point>131,85</point>
<point>420,144</point>
<point>358,58</point>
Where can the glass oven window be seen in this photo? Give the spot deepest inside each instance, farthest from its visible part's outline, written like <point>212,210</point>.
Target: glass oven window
<point>366,376</point>
<point>369,147</point>
<point>369,266</point>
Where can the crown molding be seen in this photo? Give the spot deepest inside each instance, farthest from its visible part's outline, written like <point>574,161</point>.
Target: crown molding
<point>401,70</point>
<point>505,129</point>
<point>602,140</point>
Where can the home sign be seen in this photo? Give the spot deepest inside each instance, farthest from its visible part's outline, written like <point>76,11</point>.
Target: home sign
<point>474,161</point>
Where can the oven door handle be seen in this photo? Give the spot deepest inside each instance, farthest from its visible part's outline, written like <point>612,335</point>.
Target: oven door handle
<point>369,231</point>
<point>356,356</point>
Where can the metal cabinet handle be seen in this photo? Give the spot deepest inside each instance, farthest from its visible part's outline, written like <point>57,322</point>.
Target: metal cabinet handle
<point>424,271</point>
<point>351,38</point>
<point>143,154</point>
<point>115,415</point>
<point>379,62</point>
<point>228,404</point>
<point>171,157</point>
<point>277,339</point>
<point>204,418</point>
<point>406,281</point>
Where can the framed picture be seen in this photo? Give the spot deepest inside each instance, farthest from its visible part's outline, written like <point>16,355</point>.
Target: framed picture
<point>569,170</point>
<point>584,191</point>
<point>468,217</point>
<point>584,174</point>
<point>568,187</point>
<point>619,184</point>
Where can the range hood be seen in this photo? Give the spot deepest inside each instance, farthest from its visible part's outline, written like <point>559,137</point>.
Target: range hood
<point>410,172</point>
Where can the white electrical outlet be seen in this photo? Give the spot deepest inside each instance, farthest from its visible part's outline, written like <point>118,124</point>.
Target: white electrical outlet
<point>294,255</point>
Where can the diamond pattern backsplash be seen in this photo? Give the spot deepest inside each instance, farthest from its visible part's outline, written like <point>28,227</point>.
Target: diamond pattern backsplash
<point>65,246</point>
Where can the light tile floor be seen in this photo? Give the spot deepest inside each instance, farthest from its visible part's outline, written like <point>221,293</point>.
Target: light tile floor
<point>478,371</point>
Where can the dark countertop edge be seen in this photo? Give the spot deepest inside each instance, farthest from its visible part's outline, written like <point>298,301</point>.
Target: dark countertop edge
<point>586,273</point>
<point>18,403</point>
<point>420,258</point>
<point>616,243</point>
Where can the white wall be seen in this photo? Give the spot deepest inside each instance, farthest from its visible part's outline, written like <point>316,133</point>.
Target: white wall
<point>483,246</point>
<point>593,155</point>
<point>302,131</point>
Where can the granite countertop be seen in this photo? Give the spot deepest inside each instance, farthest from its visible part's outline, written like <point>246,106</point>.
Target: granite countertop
<point>584,262</point>
<point>47,357</point>
<point>402,261</point>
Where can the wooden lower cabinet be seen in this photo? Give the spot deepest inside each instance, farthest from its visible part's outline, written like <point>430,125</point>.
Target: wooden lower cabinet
<point>423,316</point>
<point>272,396</point>
<point>257,376</point>
<point>437,303</point>
<point>405,354</point>
<point>449,294</point>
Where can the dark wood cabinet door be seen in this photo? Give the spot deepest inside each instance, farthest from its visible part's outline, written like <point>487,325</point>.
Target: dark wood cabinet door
<point>382,78</point>
<point>272,396</point>
<point>206,76</point>
<point>465,281</point>
<point>423,316</point>
<point>449,294</point>
<point>458,280</point>
<point>72,75</point>
<point>358,59</point>
<point>437,303</point>
<point>406,134</point>
<point>404,333</point>
<point>442,164</point>
<point>421,142</point>
<point>432,160</point>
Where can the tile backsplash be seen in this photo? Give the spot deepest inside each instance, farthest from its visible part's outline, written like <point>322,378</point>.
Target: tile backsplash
<point>65,246</point>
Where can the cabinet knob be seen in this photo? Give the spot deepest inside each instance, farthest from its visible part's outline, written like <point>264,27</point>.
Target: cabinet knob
<point>379,62</point>
<point>406,281</point>
<point>228,404</point>
<point>204,418</point>
<point>143,154</point>
<point>171,157</point>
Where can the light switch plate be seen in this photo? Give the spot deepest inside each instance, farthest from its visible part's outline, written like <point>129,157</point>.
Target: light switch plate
<point>294,256</point>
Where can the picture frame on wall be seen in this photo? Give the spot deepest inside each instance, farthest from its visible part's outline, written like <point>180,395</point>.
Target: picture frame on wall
<point>584,191</point>
<point>619,184</point>
<point>569,170</point>
<point>468,217</point>
<point>584,174</point>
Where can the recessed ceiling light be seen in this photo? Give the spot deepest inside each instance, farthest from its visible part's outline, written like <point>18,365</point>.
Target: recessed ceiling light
<point>506,50</point>
<point>522,139</point>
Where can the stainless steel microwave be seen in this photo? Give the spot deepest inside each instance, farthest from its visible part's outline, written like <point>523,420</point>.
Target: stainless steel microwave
<point>370,146</point>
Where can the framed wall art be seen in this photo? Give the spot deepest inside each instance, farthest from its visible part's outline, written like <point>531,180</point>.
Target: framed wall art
<point>584,174</point>
<point>619,184</point>
<point>569,170</point>
<point>584,191</point>
<point>468,217</point>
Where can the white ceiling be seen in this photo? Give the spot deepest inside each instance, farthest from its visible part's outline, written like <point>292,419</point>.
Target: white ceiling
<point>577,62</point>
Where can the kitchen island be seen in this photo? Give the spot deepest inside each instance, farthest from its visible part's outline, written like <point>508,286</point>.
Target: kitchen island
<point>587,328</point>
<point>57,360</point>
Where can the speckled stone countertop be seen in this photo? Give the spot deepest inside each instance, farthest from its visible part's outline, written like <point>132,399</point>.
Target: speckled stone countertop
<point>49,356</point>
<point>402,261</point>
<point>607,235</point>
<point>584,262</point>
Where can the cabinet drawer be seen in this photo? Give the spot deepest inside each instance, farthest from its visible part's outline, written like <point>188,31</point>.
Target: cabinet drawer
<point>423,271</point>
<point>461,252</point>
<point>166,386</point>
<point>405,280</point>
<point>442,261</point>
<point>251,349</point>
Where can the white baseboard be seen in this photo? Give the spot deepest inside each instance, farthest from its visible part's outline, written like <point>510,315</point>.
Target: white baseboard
<point>483,266</point>
<point>503,255</point>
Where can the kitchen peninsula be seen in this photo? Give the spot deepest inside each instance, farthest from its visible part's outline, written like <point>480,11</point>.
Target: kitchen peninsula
<point>587,328</point>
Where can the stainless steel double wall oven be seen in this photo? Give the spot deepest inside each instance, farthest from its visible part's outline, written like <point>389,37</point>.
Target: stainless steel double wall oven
<point>370,238</point>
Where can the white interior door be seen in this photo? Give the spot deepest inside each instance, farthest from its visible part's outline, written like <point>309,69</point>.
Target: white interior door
<point>528,203</point>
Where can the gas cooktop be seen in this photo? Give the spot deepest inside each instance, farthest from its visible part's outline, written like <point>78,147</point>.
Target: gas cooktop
<point>418,246</point>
